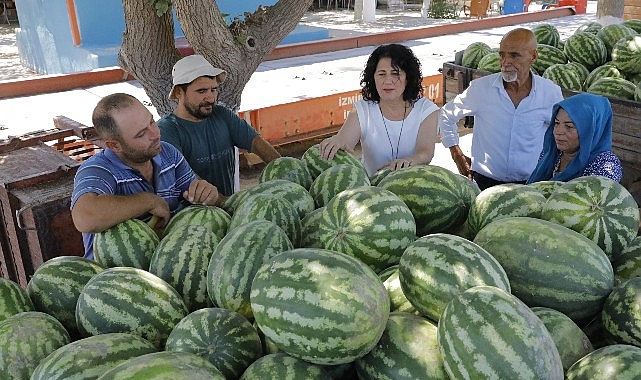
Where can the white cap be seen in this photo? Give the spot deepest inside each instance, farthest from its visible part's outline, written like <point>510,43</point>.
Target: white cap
<point>191,67</point>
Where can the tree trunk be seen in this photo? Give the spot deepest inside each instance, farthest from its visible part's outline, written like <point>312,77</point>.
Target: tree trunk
<point>148,50</point>
<point>612,8</point>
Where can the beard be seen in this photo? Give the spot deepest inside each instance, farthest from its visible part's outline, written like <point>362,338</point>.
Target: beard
<point>509,76</point>
<point>197,110</point>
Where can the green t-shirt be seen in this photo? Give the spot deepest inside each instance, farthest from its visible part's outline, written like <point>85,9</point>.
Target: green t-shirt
<point>208,145</point>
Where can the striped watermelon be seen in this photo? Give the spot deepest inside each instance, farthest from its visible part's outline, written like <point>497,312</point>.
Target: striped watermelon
<point>565,76</point>
<point>605,70</point>
<point>25,339</point>
<point>621,313</point>
<point>613,87</point>
<point>288,168</point>
<point>181,259</point>
<point>502,201</point>
<point>297,195</point>
<point>491,63</point>
<point>335,179</point>
<point>581,70</point>
<point>236,260</point>
<point>127,244</point>
<point>569,339</point>
<point>548,55</point>
<point>612,33</point>
<point>618,361</point>
<point>164,365</point>
<point>233,201</point>
<point>129,300</point>
<point>379,175</point>
<point>317,164</point>
<point>311,233</point>
<point>55,286</point>
<point>473,54</point>
<point>627,263</point>
<point>392,282</point>
<point>283,367</point>
<point>269,207</point>
<point>546,187</point>
<point>369,223</point>
<point>634,24</point>
<point>438,198</point>
<point>586,49</point>
<point>212,217</point>
<point>321,306</point>
<point>408,349</point>
<point>550,265</point>
<point>547,34</point>
<point>436,268</point>
<point>487,333</point>
<point>221,336</point>
<point>626,54</point>
<point>597,207</point>
<point>589,27</point>
<point>13,299</point>
<point>90,357</point>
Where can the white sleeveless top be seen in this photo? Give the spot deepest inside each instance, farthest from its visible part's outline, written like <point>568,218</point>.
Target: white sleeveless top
<point>383,141</point>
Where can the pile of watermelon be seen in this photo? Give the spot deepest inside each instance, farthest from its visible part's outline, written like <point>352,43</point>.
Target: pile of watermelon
<point>320,272</point>
<point>600,59</point>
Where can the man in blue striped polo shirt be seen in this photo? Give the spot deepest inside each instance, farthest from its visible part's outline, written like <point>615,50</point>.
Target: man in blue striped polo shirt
<point>135,176</point>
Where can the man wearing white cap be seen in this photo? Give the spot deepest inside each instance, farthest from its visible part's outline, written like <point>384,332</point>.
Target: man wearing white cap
<point>207,133</point>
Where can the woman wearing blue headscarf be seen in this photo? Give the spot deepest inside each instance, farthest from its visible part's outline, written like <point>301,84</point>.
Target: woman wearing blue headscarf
<point>578,141</point>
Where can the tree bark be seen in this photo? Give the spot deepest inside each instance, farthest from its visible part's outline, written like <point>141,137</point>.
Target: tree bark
<point>612,8</point>
<point>148,50</point>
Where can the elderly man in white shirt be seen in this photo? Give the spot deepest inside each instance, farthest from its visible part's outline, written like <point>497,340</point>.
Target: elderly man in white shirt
<point>511,110</point>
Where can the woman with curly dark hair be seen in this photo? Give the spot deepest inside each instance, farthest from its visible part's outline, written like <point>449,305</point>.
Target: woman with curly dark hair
<point>395,125</point>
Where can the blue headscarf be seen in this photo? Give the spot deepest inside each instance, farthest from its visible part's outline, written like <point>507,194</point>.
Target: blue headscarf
<point>592,117</point>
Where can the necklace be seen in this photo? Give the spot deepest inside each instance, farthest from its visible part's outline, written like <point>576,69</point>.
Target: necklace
<point>400,134</point>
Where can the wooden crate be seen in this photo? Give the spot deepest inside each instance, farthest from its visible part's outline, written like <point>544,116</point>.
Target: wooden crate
<point>631,10</point>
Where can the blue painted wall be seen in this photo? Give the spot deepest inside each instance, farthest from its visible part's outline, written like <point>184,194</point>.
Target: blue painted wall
<point>45,41</point>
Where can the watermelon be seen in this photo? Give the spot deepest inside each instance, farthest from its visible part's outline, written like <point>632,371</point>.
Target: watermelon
<point>316,164</point>
<point>127,244</point>
<point>321,306</point>
<point>626,54</point>
<point>438,198</point>
<point>581,70</point>
<point>546,34</point>
<point>376,178</point>
<point>548,55</point>
<point>546,187</point>
<point>618,361</point>
<point>294,193</point>
<point>236,260</point>
<point>181,259</point>
<point>25,339</point>
<point>269,207</point>
<point>613,87</point>
<point>502,201</point>
<point>571,342</point>
<point>173,365</point>
<point>634,24</point>
<point>55,286</point>
<point>550,265</point>
<point>627,263</point>
<point>408,349</point>
<point>129,300</point>
<point>288,168</point>
<point>612,33</point>
<point>586,49</point>
<point>335,179</point>
<point>283,367</point>
<point>589,27</point>
<point>311,233</point>
<point>221,336</point>
<point>487,333</point>
<point>491,63</point>
<point>597,207</point>
<point>369,223</point>
<point>13,299</point>
<point>565,76</point>
<point>392,282</point>
<point>233,201</point>
<point>621,313</point>
<point>90,357</point>
<point>605,70</point>
<point>212,217</point>
<point>436,268</point>
<point>473,54</point>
